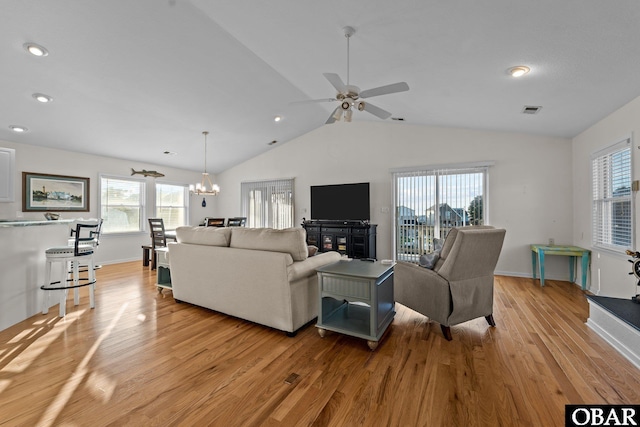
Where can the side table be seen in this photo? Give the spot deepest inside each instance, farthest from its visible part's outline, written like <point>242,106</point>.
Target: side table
<point>538,253</point>
<point>356,298</point>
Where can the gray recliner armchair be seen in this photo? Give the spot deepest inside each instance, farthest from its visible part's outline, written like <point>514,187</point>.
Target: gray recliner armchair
<point>460,286</point>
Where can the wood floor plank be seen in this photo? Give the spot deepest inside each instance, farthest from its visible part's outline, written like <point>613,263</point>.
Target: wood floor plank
<point>140,358</point>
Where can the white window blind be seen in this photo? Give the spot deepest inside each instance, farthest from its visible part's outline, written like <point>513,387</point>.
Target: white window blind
<point>172,204</point>
<point>268,203</point>
<point>431,201</point>
<point>612,211</point>
<point>122,204</point>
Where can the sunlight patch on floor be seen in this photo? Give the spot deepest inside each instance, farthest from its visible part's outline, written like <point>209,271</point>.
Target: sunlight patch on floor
<point>100,386</point>
<point>23,360</point>
<point>54,409</point>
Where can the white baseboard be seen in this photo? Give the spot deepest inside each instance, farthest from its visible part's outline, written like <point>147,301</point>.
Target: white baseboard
<point>624,338</point>
<point>118,261</point>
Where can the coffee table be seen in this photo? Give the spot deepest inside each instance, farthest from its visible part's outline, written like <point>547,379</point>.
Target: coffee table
<point>356,298</point>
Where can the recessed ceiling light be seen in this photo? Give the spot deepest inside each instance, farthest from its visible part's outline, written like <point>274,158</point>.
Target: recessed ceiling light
<point>41,97</point>
<point>35,49</point>
<point>277,118</point>
<point>272,142</point>
<point>519,71</point>
<point>19,129</point>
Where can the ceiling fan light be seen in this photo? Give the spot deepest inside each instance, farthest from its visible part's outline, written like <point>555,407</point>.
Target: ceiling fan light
<point>346,104</point>
<point>347,115</point>
<point>361,106</point>
<point>338,114</point>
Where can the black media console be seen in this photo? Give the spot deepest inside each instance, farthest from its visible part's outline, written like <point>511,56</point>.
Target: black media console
<point>355,239</point>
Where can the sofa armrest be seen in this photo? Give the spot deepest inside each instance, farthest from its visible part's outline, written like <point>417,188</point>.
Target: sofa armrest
<point>301,269</point>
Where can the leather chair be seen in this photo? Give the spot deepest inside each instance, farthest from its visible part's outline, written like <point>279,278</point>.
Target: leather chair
<point>460,286</point>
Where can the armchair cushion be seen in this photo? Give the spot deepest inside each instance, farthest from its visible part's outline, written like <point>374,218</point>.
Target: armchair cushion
<point>429,260</point>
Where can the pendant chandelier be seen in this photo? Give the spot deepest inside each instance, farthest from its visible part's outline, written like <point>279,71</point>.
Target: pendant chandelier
<point>205,187</point>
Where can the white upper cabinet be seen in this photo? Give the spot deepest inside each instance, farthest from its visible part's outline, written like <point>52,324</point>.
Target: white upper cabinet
<point>7,174</point>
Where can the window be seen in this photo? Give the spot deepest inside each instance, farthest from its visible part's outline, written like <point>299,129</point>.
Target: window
<point>172,204</point>
<point>122,204</point>
<point>268,203</point>
<point>612,210</point>
<point>430,201</point>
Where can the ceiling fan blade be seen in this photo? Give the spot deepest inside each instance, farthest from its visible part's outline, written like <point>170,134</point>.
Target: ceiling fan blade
<point>336,81</point>
<point>310,101</point>
<point>331,118</point>
<point>376,111</point>
<point>384,90</point>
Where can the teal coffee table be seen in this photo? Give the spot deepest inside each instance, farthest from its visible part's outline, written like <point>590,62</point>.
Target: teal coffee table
<point>356,298</point>
<point>538,253</point>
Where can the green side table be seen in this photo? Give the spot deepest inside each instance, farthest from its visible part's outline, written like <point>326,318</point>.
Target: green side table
<point>538,253</point>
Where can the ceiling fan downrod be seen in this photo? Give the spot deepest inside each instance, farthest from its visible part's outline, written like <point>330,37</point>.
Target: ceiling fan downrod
<point>348,32</point>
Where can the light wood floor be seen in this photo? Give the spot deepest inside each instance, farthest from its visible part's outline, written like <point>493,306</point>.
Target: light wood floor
<point>140,359</point>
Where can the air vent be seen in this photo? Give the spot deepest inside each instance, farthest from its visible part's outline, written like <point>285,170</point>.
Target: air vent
<point>531,109</point>
<point>400,119</point>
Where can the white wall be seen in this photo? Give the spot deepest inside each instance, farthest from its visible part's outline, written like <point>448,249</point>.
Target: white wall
<point>113,249</point>
<point>610,272</point>
<point>529,186</point>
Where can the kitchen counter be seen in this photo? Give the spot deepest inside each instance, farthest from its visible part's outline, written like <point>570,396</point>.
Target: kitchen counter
<point>22,265</point>
<point>31,222</point>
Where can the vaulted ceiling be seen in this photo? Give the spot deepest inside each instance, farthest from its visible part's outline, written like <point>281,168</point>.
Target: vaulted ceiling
<point>132,79</point>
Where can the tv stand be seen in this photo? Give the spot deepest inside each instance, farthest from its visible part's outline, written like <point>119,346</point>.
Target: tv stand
<point>356,239</point>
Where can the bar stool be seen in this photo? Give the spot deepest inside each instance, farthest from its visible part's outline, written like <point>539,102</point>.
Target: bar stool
<point>70,259</point>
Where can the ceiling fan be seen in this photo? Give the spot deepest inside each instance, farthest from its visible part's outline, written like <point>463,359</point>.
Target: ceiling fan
<point>350,96</point>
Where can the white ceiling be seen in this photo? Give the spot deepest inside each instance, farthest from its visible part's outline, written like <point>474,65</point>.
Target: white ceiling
<point>131,79</point>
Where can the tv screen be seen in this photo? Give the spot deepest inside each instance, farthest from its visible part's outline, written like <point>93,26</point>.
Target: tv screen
<point>340,202</point>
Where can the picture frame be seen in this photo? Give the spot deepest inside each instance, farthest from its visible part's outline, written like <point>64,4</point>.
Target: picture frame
<point>44,192</point>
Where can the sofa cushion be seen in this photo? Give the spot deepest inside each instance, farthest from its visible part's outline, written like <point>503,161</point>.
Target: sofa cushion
<point>210,236</point>
<point>289,240</point>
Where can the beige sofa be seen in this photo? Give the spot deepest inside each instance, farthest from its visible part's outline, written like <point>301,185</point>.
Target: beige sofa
<point>261,275</point>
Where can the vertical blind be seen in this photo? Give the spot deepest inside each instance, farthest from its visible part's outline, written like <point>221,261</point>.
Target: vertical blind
<point>268,203</point>
<point>431,201</point>
<point>612,214</point>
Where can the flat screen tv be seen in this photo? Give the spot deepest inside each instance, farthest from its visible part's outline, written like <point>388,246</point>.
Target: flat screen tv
<point>346,202</point>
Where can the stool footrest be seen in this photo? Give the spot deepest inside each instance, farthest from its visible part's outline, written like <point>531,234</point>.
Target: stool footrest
<point>58,288</point>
